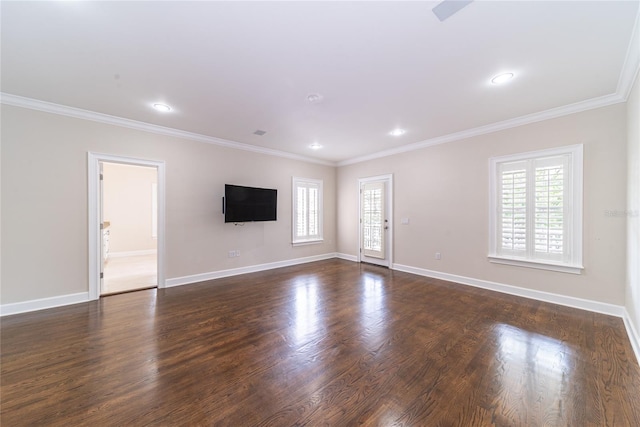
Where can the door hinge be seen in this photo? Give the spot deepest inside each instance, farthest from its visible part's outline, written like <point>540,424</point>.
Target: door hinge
<point>101,177</point>
<point>360,250</point>
<point>101,226</point>
<point>101,275</point>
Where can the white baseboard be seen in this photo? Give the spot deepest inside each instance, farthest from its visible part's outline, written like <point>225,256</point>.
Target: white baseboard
<point>589,305</point>
<point>43,303</point>
<point>59,301</point>
<point>347,257</point>
<point>584,304</point>
<point>185,280</point>
<point>132,253</point>
<point>634,337</point>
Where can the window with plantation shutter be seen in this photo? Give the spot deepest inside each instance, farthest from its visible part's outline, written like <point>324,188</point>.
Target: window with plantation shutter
<point>307,210</point>
<point>536,209</point>
<point>513,207</point>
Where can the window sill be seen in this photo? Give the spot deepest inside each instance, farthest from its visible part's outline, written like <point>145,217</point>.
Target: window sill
<point>307,242</point>
<point>542,265</point>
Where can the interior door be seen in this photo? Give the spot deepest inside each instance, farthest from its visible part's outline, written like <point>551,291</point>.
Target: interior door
<point>102,236</point>
<point>374,223</point>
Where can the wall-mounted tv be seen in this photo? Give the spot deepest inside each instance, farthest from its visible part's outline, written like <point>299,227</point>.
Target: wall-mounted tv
<point>248,204</point>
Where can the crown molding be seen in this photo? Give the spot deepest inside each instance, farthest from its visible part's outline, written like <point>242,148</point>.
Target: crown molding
<point>630,69</point>
<point>49,107</point>
<point>552,113</point>
<point>63,110</point>
<point>631,65</point>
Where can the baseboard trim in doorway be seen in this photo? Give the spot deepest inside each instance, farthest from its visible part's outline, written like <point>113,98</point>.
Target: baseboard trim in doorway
<point>43,303</point>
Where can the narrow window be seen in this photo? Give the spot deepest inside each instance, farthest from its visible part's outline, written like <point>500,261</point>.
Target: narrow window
<point>307,210</point>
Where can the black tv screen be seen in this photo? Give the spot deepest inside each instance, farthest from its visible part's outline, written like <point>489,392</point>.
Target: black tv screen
<point>248,204</point>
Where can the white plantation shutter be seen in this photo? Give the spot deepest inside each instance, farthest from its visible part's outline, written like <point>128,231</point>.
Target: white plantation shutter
<point>550,213</point>
<point>313,212</point>
<point>307,210</point>
<point>513,207</point>
<point>302,200</point>
<point>537,199</point>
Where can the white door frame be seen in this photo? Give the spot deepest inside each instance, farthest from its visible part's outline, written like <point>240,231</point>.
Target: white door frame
<point>388,179</point>
<point>93,177</point>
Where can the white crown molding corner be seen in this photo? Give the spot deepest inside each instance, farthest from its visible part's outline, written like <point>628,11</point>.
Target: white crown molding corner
<point>202,277</point>
<point>634,337</point>
<point>631,65</point>
<point>63,110</point>
<point>579,303</point>
<point>43,303</point>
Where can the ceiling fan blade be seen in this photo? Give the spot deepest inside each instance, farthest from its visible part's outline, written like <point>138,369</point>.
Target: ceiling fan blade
<point>447,8</point>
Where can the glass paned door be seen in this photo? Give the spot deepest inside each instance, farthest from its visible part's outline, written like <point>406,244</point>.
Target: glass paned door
<point>373,221</point>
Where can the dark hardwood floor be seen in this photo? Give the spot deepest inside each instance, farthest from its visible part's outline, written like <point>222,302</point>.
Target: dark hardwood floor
<point>329,343</point>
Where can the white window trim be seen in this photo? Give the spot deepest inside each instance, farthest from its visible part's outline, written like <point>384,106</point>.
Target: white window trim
<point>307,242</point>
<point>294,198</point>
<point>576,173</point>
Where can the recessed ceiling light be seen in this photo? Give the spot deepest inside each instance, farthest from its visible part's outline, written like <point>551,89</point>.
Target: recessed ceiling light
<point>502,78</point>
<point>397,132</point>
<point>162,107</point>
<point>315,146</point>
<point>314,98</point>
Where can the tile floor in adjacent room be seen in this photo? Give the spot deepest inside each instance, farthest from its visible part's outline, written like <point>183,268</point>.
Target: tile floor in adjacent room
<point>122,274</point>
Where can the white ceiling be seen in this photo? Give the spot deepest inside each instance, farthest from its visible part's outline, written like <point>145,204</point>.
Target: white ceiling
<point>230,68</point>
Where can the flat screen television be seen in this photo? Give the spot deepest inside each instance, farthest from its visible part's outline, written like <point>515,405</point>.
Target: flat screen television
<point>248,204</point>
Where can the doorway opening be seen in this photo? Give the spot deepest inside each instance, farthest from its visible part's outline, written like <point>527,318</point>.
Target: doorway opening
<point>126,224</point>
<point>376,220</point>
<point>129,227</point>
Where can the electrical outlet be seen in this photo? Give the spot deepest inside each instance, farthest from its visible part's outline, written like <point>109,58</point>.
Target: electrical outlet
<point>405,221</point>
<point>237,252</point>
<point>438,255</point>
<point>232,254</point>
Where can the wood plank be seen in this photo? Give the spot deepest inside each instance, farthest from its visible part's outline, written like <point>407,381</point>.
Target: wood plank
<point>326,343</point>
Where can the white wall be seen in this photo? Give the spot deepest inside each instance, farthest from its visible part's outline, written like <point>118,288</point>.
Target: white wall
<point>128,206</point>
<point>44,202</point>
<point>443,190</point>
<point>633,206</point>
